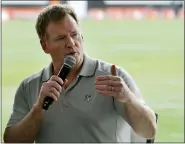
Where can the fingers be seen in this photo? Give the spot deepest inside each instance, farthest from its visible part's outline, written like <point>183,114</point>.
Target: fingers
<point>103,87</point>
<point>57,82</point>
<point>54,84</point>
<point>47,91</point>
<point>52,95</point>
<point>52,88</point>
<point>108,77</point>
<point>107,93</point>
<point>113,75</point>
<point>107,88</point>
<point>57,79</point>
<point>109,83</point>
<point>65,82</point>
<point>55,92</point>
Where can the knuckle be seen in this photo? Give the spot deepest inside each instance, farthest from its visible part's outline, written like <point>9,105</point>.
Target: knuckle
<point>60,89</point>
<point>42,87</point>
<point>121,84</point>
<point>119,79</point>
<point>109,82</point>
<point>58,93</point>
<point>61,81</point>
<point>52,89</point>
<point>44,84</point>
<point>109,87</point>
<point>53,77</point>
<point>51,94</point>
<point>58,78</point>
<point>119,90</point>
<point>55,83</point>
<point>49,81</point>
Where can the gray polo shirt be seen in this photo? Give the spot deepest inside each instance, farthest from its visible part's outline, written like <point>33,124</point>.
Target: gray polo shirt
<point>81,114</point>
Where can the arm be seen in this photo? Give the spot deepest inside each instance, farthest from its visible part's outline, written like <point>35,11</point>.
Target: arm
<point>24,124</point>
<point>128,101</point>
<point>26,130</point>
<point>140,117</point>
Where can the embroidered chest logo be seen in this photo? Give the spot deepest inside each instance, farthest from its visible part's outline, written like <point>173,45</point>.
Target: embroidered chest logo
<point>88,98</point>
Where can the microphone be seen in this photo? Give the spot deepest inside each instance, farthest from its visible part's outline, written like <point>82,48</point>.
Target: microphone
<point>69,63</point>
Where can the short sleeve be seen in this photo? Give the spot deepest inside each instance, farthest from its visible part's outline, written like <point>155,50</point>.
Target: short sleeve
<point>20,106</point>
<point>132,86</point>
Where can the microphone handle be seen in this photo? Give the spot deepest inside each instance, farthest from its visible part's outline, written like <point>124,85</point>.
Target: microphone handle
<point>63,74</point>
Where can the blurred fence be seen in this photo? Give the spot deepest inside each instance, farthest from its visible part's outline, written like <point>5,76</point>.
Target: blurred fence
<point>99,9</point>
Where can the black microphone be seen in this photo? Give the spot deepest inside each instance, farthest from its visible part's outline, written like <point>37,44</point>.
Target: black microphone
<point>69,63</point>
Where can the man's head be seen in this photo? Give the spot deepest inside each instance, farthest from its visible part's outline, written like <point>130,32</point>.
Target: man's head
<point>58,29</point>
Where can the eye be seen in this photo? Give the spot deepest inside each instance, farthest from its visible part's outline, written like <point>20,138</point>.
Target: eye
<point>74,34</point>
<point>61,38</point>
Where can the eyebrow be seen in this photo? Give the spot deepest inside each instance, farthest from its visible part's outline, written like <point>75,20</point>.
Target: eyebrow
<point>63,35</point>
<point>59,36</point>
<point>75,31</point>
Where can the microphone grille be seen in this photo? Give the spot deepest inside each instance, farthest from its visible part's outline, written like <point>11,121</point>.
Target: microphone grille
<point>70,60</point>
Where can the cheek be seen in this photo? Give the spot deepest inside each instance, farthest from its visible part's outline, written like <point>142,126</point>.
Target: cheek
<point>57,46</point>
<point>79,44</point>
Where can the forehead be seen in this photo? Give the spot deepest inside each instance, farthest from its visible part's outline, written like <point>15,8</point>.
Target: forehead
<point>63,26</point>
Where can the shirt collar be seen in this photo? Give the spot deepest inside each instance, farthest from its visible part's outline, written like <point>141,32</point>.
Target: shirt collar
<point>88,68</point>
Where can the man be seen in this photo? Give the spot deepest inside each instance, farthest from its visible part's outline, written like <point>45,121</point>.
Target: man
<point>95,103</point>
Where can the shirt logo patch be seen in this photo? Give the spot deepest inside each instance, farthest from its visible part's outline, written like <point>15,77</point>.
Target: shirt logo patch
<point>88,98</point>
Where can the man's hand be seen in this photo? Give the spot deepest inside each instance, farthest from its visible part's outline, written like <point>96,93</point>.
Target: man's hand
<point>140,117</point>
<point>26,130</point>
<point>113,85</point>
<point>52,88</point>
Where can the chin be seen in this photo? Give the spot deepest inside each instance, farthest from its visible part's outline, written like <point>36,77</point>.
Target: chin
<point>79,59</point>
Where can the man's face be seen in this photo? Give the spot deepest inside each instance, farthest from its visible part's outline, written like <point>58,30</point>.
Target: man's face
<point>64,38</point>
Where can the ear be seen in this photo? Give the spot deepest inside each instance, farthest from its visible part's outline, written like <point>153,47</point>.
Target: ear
<point>82,37</point>
<point>44,46</point>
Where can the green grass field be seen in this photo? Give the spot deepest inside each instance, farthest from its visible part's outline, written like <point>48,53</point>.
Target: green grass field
<point>151,51</point>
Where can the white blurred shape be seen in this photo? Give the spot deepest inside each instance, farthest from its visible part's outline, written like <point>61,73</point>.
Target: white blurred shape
<point>5,15</point>
<point>80,8</point>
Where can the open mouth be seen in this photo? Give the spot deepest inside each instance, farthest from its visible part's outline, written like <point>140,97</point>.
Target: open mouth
<point>72,53</point>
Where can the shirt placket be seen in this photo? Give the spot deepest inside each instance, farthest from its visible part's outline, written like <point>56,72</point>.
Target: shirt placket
<point>64,99</point>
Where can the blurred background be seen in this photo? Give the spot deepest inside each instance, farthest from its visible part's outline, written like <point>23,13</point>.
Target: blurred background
<point>144,37</point>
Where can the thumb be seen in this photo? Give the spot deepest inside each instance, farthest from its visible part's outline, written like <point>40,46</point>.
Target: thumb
<point>113,70</point>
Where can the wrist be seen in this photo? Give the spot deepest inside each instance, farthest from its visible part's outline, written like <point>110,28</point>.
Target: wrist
<point>37,110</point>
<point>130,99</point>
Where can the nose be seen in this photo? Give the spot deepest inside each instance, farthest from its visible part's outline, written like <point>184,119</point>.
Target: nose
<point>70,42</point>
